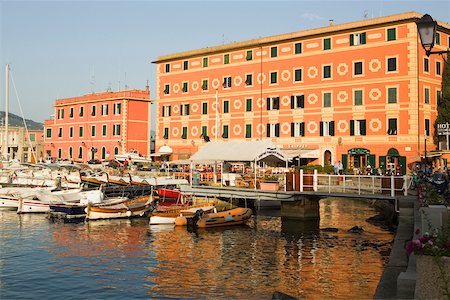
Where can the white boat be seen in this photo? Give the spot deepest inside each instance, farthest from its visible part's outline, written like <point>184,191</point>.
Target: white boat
<point>8,202</point>
<point>134,156</point>
<point>9,196</point>
<point>169,216</point>
<point>136,207</point>
<point>60,196</point>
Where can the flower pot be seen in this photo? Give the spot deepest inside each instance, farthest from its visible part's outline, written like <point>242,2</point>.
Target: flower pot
<point>269,186</point>
<point>433,277</point>
<point>432,217</point>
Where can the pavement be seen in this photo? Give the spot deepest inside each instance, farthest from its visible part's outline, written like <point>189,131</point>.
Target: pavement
<point>399,276</point>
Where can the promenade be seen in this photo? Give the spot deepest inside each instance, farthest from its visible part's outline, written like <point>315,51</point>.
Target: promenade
<point>399,277</point>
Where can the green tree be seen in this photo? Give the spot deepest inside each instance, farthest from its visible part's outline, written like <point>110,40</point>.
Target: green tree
<point>443,104</point>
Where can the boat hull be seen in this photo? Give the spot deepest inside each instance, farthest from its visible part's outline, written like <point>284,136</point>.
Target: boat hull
<point>8,203</point>
<point>169,216</point>
<point>235,216</point>
<point>126,209</point>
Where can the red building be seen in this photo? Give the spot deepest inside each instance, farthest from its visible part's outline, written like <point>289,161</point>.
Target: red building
<point>99,125</point>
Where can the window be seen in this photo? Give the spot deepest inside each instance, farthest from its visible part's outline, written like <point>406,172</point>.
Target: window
<point>59,152</point>
<point>358,97</point>
<point>116,129</point>
<point>357,127</point>
<point>391,34</point>
<point>427,96</point>
<point>298,101</point>
<point>273,77</point>
<point>70,152</point>
<point>167,68</point>
<point>226,82</point>
<point>104,109</point>
<point>32,137</point>
<point>166,89</point>
<point>226,106</point>
<point>184,133</point>
<point>226,59</point>
<point>205,62</point>
<point>274,51</point>
<point>357,39</point>
<point>60,132</point>
<point>327,128</point>
<point>438,68</point>
<point>298,75</point>
<point>273,130</point>
<point>204,132</point>
<point>205,108</point>
<point>71,112</point>
<point>70,131</point>
<point>438,97</point>
<point>104,130</point>
<point>298,129</point>
<point>81,111</point>
<point>392,127</point>
<point>185,65</point>
<point>116,150</point>
<point>358,68</point>
<point>103,153</point>
<point>298,48</point>
<point>248,104</point>
<point>184,89</point>
<point>225,132</point>
<point>166,133</point>
<point>426,65</point>
<point>248,79</point>
<point>94,110</point>
<point>166,111</point>
<point>248,131</point>
<point>249,55</point>
<point>392,64</point>
<point>427,127</point>
<point>60,114</point>
<point>117,108</point>
<point>327,44</point>
<point>273,103</point>
<point>80,131</point>
<point>438,38</point>
<point>80,152</point>
<point>326,99</point>
<point>392,95</point>
<point>327,71</point>
<point>93,130</point>
<point>184,109</point>
<point>205,84</point>
<point>49,133</point>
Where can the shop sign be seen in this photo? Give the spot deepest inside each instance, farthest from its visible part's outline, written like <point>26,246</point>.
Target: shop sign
<point>358,151</point>
<point>443,129</point>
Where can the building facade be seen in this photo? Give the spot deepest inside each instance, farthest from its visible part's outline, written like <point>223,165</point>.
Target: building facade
<point>99,126</point>
<point>23,146</point>
<point>363,93</point>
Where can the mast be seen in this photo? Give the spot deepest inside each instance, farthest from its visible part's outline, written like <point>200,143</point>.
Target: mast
<point>217,115</point>
<point>6,150</point>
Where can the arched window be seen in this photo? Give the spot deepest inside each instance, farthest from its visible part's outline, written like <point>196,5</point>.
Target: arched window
<point>116,150</point>
<point>80,152</point>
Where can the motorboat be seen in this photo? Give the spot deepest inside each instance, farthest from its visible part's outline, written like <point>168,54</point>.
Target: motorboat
<point>133,156</point>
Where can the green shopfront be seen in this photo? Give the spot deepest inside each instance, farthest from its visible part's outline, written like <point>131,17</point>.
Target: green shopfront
<point>358,159</point>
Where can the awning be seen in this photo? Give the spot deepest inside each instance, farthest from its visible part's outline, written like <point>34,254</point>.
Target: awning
<point>165,150</point>
<point>302,153</point>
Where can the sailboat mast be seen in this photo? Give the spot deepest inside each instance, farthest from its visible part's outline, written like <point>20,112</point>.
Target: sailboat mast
<point>6,150</point>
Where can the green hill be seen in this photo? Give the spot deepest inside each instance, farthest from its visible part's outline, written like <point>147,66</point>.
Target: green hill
<point>16,121</point>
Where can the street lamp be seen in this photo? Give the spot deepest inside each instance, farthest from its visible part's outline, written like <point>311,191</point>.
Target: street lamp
<point>426,27</point>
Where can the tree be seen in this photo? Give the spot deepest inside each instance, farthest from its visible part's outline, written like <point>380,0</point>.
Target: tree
<point>443,104</point>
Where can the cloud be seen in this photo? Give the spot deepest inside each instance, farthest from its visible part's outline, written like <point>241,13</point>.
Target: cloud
<point>311,17</point>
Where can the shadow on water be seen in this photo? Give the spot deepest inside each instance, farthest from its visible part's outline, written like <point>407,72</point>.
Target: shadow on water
<point>300,228</point>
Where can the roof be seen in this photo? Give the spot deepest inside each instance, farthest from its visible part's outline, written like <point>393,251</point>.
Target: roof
<point>239,151</point>
<point>402,17</point>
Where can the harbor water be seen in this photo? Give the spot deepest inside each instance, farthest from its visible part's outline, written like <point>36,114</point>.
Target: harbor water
<point>128,259</point>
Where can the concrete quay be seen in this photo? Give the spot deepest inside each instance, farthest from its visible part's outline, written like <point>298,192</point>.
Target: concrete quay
<point>399,276</point>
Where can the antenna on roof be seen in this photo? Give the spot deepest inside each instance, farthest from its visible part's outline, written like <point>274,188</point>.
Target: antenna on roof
<point>331,22</point>
<point>126,86</point>
<point>92,79</point>
<point>366,13</point>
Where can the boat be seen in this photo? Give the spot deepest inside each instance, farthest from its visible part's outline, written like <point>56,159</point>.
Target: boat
<point>135,207</point>
<point>9,196</point>
<point>134,156</point>
<point>168,193</point>
<point>168,216</point>
<point>8,202</point>
<point>236,216</point>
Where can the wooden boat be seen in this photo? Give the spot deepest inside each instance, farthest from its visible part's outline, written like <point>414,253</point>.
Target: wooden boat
<point>136,207</point>
<point>72,210</point>
<point>236,216</point>
<point>169,193</point>
<point>169,216</point>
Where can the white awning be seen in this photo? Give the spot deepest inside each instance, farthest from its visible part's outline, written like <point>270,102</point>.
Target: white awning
<point>302,153</point>
<point>165,150</point>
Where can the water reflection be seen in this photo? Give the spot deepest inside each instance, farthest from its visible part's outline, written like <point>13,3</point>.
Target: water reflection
<point>128,258</point>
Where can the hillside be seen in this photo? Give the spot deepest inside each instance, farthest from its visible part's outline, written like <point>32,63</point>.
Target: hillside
<point>16,121</point>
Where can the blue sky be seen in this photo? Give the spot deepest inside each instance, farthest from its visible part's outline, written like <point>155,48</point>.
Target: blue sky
<point>60,49</point>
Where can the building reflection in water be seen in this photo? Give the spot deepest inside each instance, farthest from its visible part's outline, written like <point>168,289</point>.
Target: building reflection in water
<point>273,254</point>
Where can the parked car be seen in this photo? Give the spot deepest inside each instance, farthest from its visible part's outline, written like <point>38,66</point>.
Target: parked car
<point>94,162</point>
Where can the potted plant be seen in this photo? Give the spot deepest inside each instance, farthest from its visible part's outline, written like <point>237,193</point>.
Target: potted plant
<point>432,252</point>
<point>270,183</point>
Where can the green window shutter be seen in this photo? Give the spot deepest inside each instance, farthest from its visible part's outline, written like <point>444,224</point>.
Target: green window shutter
<point>204,131</point>
<point>104,130</point>
<point>332,128</point>
<point>382,163</point>
<point>248,130</point>
<point>268,130</point>
<point>392,95</point>
<point>277,130</point>
<point>292,129</point>
<point>226,59</point>
<point>185,65</point>
<point>321,128</point>
<point>205,84</point>
<point>344,161</point>
<point>81,131</point>
<point>273,52</point>
<point>166,133</point>
<point>93,131</point>
<point>327,44</point>
<point>371,160</point>
<point>358,97</point>
<point>292,102</point>
<point>226,107</point>
<point>402,163</point>
<point>352,40</point>
<point>427,96</point>
<point>103,152</point>
<point>298,48</point>
<point>205,108</point>
<point>268,103</point>
<point>225,131</point>
<point>187,109</point>
<point>249,55</point>
<point>302,128</point>
<point>391,34</point>
<point>327,100</point>
<point>352,127</point>
<point>363,38</point>
<point>248,105</point>
<point>49,132</point>
<point>362,128</point>
<point>438,42</point>
<point>273,77</point>
<point>184,133</point>
<point>205,62</point>
<point>298,75</point>
<point>81,111</point>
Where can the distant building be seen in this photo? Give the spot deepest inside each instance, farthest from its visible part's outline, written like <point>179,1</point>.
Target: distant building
<point>22,146</point>
<point>362,92</point>
<point>99,126</point>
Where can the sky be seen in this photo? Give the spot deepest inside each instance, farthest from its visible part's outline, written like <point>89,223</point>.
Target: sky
<point>61,49</point>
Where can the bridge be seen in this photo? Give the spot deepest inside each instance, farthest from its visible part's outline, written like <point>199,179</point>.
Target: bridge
<point>303,203</point>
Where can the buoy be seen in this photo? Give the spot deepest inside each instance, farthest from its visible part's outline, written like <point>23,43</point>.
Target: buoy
<point>128,213</point>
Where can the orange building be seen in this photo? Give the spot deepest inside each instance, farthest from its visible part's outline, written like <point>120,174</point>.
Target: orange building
<point>99,126</point>
<point>362,92</point>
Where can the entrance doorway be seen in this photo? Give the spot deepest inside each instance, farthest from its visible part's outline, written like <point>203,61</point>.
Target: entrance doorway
<point>327,158</point>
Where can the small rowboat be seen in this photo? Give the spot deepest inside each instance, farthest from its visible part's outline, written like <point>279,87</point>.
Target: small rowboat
<point>169,193</point>
<point>136,207</point>
<point>236,216</point>
<point>169,216</point>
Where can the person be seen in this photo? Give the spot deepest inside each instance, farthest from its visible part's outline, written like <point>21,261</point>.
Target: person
<point>336,168</point>
<point>380,172</point>
<point>368,170</point>
<point>125,164</point>
<point>340,168</point>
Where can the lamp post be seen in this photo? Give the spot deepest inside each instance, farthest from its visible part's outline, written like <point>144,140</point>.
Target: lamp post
<point>425,147</point>
<point>426,27</point>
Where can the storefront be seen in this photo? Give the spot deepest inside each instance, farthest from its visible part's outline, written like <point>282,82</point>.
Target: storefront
<point>392,161</point>
<point>357,159</point>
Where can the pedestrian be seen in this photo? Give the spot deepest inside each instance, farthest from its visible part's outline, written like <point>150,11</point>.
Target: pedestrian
<point>340,168</point>
<point>336,168</point>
